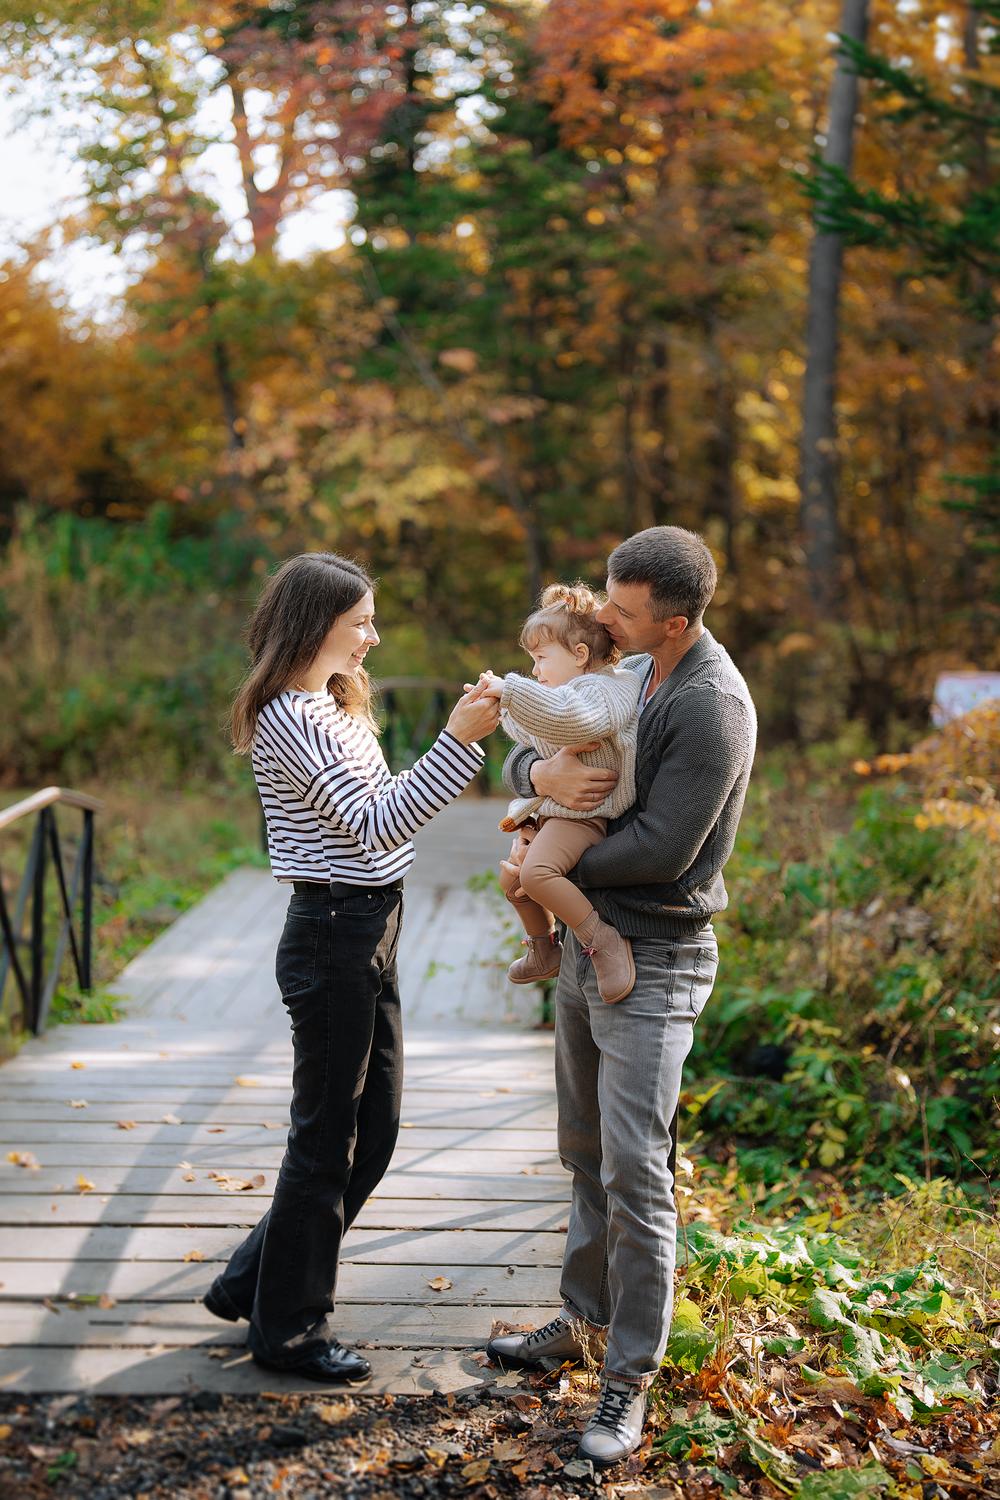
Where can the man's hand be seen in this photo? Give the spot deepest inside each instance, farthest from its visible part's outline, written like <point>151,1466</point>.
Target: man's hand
<point>568,781</point>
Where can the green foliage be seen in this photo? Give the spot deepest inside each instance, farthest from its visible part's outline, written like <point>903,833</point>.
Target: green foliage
<point>134,633</point>
<point>908,1332</point>
<point>860,951</point>
<point>909,1343</point>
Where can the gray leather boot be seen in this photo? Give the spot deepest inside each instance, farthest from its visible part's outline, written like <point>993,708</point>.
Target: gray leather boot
<point>615,1429</point>
<point>557,1340</point>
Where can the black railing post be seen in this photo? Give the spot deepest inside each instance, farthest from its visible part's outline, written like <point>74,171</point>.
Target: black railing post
<point>87,945</point>
<point>37,981</point>
<point>38,920</point>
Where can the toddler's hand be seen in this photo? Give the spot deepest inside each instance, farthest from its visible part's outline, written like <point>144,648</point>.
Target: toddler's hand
<point>510,878</point>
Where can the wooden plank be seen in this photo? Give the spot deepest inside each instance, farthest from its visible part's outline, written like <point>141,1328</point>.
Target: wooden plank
<point>138,1324</point>
<point>159,1371</point>
<point>382,1282</point>
<point>93,1140</point>
<point>237,1158</point>
<point>550,1187</point>
<point>226,1208</point>
<point>200,940</point>
<point>100,1242</point>
<point>476,1114</point>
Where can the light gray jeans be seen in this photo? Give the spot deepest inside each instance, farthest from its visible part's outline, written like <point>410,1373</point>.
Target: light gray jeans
<point>618,1079</point>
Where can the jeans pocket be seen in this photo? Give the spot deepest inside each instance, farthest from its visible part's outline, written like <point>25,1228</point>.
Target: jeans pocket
<point>695,963</point>
<point>298,950</point>
<point>361,903</point>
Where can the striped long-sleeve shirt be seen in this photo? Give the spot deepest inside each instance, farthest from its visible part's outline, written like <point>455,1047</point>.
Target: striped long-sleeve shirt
<point>333,809</point>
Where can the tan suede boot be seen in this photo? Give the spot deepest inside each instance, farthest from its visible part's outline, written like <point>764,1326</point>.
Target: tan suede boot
<point>540,962</point>
<point>611,955</point>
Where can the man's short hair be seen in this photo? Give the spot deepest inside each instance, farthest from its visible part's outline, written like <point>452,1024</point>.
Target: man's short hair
<point>677,566</point>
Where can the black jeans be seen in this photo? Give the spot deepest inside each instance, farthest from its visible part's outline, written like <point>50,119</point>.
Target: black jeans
<point>336,969</point>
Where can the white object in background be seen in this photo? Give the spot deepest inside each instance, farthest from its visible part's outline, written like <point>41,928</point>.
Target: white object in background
<point>957,693</point>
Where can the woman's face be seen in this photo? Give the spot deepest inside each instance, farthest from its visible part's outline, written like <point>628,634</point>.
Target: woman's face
<point>349,639</point>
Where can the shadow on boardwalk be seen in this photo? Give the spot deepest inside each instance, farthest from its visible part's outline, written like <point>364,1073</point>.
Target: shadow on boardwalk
<point>158,1140</point>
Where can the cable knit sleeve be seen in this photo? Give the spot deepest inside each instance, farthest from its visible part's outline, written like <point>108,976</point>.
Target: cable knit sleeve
<point>591,707</point>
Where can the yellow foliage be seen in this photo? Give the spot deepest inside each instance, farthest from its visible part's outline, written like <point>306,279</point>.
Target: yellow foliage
<point>958,770</point>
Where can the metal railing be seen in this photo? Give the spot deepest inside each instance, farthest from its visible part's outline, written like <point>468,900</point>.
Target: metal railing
<point>23,955</point>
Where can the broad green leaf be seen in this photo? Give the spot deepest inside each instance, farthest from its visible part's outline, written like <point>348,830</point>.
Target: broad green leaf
<point>845,1484</point>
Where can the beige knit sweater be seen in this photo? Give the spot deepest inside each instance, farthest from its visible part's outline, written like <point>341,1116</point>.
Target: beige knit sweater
<point>601,705</point>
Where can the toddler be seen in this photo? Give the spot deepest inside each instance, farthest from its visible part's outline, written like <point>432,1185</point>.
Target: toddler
<point>581,695</point>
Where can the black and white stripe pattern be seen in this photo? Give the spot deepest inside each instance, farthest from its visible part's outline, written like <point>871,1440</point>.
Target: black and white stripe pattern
<point>333,809</point>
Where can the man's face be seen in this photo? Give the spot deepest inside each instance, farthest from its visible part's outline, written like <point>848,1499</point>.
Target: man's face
<point>628,621</point>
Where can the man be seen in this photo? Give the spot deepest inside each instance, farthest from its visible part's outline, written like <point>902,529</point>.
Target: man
<point>657,878</point>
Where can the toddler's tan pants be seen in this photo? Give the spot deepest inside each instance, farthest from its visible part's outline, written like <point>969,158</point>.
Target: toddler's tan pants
<point>555,849</point>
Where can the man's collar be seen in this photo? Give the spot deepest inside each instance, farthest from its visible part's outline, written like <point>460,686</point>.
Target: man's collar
<point>689,663</point>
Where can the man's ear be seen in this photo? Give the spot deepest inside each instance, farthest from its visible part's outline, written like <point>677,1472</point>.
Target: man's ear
<point>676,626</point>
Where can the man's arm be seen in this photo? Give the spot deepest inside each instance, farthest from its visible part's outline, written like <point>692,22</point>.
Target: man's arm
<point>707,750</point>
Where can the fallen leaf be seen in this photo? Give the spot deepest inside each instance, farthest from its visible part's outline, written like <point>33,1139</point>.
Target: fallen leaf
<point>169,1120</point>
<point>524,1402</point>
<point>185,1166</point>
<point>272,1124</point>
<point>247,1083</point>
<point>237,1184</point>
<point>334,1411</point>
<point>84,1184</point>
<point>216,1129</point>
<point>195,1255</point>
<point>187,1177</point>
<point>125,1124</point>
<point>52,1306</point>
<point>78,1065</point>
<point>514,1378</point>
<point>220,1351</point>
<point>476,1470</point>
<point>440,1284</point>
<point>5,1431</point>
<point>106,1300</point>
<point>24,1159</point>
<point>77,1103</point>
<point>507,1450</point>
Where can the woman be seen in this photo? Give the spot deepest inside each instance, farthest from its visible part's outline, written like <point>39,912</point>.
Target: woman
<point>338,828</point>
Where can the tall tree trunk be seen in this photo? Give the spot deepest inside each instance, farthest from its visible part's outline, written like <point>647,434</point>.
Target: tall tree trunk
<point>818,480</point>
<point>629,477</point>
<point>662,478</point>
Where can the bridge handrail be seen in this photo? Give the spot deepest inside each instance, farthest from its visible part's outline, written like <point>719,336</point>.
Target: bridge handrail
<point>45,798</point>
<point>36,981</point>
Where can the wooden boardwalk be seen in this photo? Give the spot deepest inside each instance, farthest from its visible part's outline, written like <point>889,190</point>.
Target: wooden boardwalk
<point>158,1140</point>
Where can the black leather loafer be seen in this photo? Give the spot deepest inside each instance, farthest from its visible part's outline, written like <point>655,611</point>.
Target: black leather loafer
<point>334,1366</point>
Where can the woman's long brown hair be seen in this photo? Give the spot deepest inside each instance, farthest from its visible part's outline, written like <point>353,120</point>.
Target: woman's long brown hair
<point>296,609</point>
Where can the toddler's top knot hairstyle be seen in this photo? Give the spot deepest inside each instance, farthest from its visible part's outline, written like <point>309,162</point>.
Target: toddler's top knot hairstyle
<point>567,614</point>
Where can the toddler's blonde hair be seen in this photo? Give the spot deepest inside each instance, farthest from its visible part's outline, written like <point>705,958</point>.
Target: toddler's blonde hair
<point>567,614</point>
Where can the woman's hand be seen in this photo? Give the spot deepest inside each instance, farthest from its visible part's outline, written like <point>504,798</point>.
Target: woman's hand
<point>491,684</point>
<point>475,714</point>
